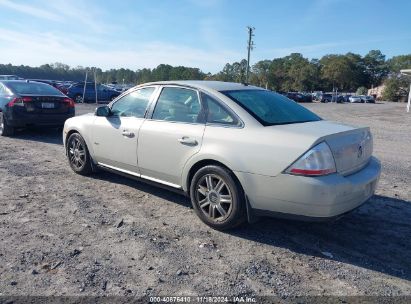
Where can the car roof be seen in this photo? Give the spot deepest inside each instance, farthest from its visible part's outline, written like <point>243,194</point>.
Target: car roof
<point>20,81</point>
<point>207,84</point>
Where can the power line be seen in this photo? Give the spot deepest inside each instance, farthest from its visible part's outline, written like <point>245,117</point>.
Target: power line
<point>250,47</point>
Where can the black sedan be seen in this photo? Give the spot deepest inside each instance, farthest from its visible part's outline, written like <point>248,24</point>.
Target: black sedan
<point>26,103</point>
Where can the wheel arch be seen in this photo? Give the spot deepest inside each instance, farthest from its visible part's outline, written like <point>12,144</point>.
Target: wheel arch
<point>86,139</point>
<point>198,164</point>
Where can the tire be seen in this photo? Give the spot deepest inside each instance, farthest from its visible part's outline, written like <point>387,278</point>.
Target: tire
<point>5,128</point>
<point>209,186</point>
<point>78,155</point>
<point>78,98</point>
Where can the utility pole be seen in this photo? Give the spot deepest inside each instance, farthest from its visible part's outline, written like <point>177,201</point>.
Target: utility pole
<point>95,85</point>
<point>84,90</point>
<point>250,47</point>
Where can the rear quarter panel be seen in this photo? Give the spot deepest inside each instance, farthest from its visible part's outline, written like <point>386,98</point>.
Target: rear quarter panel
<point>261,150</point>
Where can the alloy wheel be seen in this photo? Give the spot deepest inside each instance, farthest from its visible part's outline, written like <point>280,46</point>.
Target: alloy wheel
<point>214,197</point>
<point>77,153</point>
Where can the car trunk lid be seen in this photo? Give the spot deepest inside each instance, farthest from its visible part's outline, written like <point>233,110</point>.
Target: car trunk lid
<point>351,149</point>
<point>47,104</point>
<point>351,146</point>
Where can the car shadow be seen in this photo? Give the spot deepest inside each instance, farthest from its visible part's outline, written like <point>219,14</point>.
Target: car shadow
<point>374,236</point>
<point>167,194</point>
<point>40,134</point>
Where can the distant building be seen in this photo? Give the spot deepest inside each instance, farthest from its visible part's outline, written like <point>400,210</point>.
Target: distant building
<point>377,91</point>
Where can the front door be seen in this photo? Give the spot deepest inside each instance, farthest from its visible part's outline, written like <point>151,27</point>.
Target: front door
<point>172,135</point>
<point>115,137</point>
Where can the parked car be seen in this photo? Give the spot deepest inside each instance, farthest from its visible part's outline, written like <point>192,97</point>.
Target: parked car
<point>104,93</point>
<point>355,99</point>
<point>299,97</point>
<point>63,87</point>
<point>10,77</point>
<point>317,95</point>
<point>326,97</point>
<point>367,99</point>
<point>54,83</point>
<point>347,98</point>
<point>337,98</point>
<point>215,142</point>
<point>27,103</point>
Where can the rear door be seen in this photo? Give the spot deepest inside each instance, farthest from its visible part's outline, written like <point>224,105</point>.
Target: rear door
<point>115,137</point>
<point>172,135</point>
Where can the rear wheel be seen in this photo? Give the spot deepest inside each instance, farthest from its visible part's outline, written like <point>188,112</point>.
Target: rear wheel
<point>217,198</point>
<point>78,155</point>
<point>5,128</point>
<point>78,98</point>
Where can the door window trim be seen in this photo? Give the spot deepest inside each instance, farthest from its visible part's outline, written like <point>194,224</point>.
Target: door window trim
<point>240,124</point>
<point>150,112</point>
<point>153,97</point>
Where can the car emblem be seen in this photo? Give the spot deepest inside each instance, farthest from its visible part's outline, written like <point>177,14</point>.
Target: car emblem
<point>213,198</point>
<point>359,154</point>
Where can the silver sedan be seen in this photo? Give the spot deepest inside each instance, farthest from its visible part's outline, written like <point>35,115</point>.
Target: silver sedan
<point>239,152</point>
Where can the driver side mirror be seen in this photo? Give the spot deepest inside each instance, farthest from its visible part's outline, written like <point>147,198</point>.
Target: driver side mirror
<point>103,111</point>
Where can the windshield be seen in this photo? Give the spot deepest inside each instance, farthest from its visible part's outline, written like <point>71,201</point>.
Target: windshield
<point>271,108</point>
<point>33,88</point>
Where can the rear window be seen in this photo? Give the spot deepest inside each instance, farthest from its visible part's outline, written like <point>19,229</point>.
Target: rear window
<point>271,108</point>
<point>33,88</point>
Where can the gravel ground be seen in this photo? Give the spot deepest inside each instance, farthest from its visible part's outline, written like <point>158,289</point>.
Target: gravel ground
<point>64,234</point>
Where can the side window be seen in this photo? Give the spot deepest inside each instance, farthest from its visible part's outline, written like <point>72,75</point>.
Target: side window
<point>217,113</point>
<point>178,104</point>
<point>133,104</point>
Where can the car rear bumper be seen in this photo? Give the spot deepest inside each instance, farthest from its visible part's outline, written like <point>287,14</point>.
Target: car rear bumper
<point>23,120</point>
<point>316,198</point>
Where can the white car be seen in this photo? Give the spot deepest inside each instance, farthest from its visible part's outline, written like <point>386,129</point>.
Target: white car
<point>355,99</point>
<point>238,151</point>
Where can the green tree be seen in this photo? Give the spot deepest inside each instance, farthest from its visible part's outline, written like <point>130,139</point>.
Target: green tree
<point>376,67</point>
<point>362,91</point>
<point>398,63</point>
<point>396,88</point>
<point>337,70</point>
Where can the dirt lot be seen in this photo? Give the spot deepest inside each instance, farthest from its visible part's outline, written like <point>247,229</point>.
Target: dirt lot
<point>64,234</point>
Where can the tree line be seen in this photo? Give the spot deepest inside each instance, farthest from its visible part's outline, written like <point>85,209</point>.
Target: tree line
<point>294,72</point>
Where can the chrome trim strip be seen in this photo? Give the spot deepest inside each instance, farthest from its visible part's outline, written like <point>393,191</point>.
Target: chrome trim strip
<point>141,176</point>
<point>118,169</point>
<point>160,181</point>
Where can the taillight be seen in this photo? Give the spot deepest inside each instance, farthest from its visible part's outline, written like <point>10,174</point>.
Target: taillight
<point>315,162</point>
<point>20,101</point>
<point>69,102</point>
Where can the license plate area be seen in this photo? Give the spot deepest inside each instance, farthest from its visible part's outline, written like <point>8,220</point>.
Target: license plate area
<point>47,105</point>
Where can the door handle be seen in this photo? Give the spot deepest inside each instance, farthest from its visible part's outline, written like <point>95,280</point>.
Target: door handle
<point>185,140</point>
<point>127,133</point>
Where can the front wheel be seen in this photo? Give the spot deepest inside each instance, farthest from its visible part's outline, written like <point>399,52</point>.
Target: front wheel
<point>78,155</point>
<point>217,198</point>
<point>5,128</point>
